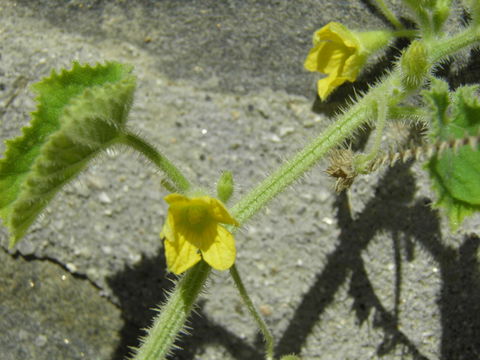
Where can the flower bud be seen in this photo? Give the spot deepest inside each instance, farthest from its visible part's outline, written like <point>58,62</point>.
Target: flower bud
<point>441,13</point>
<point>225,186</point>
<point>414,65</point>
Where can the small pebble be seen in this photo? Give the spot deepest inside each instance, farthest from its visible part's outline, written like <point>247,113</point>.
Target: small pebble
<point>265,310</point>
<point>71,267</point>
<point>104,199</point>
<point>286,130</point>
<point>95,183</point>
<point>274,138</point>
<point>41,340</point>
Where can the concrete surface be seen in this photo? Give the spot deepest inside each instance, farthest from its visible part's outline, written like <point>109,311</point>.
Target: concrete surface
<point>372,275</point>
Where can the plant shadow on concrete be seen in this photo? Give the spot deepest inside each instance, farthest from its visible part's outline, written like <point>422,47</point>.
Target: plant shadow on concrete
<point>410,226</point>
<point>143,287</point>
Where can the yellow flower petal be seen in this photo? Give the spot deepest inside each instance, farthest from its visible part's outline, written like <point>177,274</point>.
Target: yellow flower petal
<point>337,33</point>
<point>167,231</point>
<point>200,238</point>
<point>220,213</point>
<point>311,62</point>
<point>192,227</point>
<point>352,67</point>
<point>180,255</point>
<point>333,58</point>
<point>175,198</point>
<point>326,85</point>
<point>221,253</point>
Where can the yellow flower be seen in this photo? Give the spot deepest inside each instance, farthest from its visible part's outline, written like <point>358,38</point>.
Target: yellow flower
<point>341,54</point>
<point>193,231</point>
<point>336,52</point>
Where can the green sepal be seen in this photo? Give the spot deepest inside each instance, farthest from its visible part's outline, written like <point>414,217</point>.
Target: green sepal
<point>455,173</point>
<point>80,112</point>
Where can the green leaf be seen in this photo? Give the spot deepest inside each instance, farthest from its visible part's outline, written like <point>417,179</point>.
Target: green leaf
<point>455,173</point>
<point>80,113</point>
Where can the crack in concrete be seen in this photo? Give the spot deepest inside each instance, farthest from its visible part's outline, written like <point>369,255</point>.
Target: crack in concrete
<point>16,254</point>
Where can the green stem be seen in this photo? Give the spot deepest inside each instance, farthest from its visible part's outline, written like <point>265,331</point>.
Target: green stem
<point>258,319</point>
<point>423,17</point>
<point>382,111</point>
<point>389,14</point>
<point>342,128</point>
<point>362,161</point>
<point>425,24</point>
<point>405,33</point>
<point>293,169</point>
<point>405,112</point>
<point>179,182</point>
<point>173,315</point>
<point>440,49</point>
<point>175,312</point>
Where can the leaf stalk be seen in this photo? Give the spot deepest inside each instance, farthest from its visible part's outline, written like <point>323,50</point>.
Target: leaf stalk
<point>178,182</point>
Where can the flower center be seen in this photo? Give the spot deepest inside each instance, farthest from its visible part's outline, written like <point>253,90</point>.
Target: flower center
<point>197,215</point>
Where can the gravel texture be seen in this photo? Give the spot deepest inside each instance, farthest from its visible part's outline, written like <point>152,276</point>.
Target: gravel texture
<point>369,275</point>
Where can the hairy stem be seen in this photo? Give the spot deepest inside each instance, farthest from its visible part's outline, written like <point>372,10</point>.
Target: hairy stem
<point>423,18</point>
<point>173,315</point>
<point>333,136</point>
<point>177,181</point>
<point>362,161</point>
<point>405,33</point>
<point>389,14</point>
<point>257,317</point>
<point>343,127</point>
<point>440,49</point>
<point>175,312</point>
